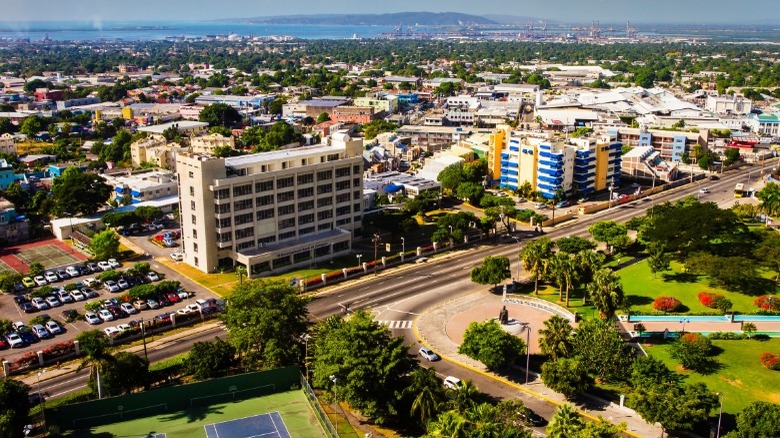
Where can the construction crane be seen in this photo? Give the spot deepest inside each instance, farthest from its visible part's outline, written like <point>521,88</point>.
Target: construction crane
<point>630,31</point>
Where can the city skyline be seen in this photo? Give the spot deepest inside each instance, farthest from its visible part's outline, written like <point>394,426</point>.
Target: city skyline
<point>571,11</point>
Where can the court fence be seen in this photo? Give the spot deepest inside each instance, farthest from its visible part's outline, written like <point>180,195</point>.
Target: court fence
<point>323,418</point>
<point>174,399</point>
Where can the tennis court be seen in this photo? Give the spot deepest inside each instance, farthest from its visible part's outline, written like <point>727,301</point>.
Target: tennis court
<point>281,415</point>
<point>5,268</point>
<point>268,425</point>
<point>50,256</point>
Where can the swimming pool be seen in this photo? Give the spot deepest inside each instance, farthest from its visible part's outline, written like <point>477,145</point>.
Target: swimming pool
<point>704,318</point>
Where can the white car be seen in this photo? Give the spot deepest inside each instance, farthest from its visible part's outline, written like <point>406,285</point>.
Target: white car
<point>91,282</point>
<point>92,318</point>
<point>14,340</point>
<point>111,286</point>
<point>77,295</point>
<point>704,190</point>
<point>114,263</point>
<point>53,327</point>
<point>128,308</point>
<point>40,280</point>
<point>427,353</point>
<point>72,271</point>
<point>123,327</point>
<point>39,303</point>
<point>41,332</point>
<point>51,277</point>
<point>452,383</point>
<point>177,256</point>
<point>19,326</point>
<point>52,301</point>
<point>64,296</point>
<point>111,331</point>
<point>105,315</point>
<point>105,266</point>
<point>122,283</point>
<point>191,308</point>
<point>152,276</point>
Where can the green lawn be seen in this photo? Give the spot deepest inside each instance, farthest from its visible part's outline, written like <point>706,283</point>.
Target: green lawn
<point>295,411</point>
<point>741,378</point>
<point>641,289</point>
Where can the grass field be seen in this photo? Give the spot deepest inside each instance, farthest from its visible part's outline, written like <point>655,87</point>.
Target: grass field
<point>296,413</point>
<point>740,377</point>
<point>641,289</point>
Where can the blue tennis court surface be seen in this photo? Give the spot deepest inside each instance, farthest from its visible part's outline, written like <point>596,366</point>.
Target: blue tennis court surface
<point>264,425</point>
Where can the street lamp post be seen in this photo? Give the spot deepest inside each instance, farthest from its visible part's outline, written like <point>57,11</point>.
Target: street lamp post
<point>40,397</point>
<point>683,322</point>
<point>720,414</point>
<point>358,257</point>
<point>527,328</point>
<point>376,241</point>
<point>335,397</point>
<point>517,239</point>
<point>143,336</point>
<point>306,338</point>
<point>403,248</point>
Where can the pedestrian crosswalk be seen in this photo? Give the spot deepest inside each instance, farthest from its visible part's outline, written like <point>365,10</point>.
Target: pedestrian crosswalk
<point>399,325</point>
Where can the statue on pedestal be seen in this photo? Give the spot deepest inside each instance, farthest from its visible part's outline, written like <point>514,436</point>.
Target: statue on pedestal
<point>503,316</point>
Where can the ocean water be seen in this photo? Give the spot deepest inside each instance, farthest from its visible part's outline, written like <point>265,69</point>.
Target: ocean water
<point>149,31</point>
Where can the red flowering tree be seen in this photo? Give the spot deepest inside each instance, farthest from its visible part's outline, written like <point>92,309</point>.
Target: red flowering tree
<point>667,304</point>
<point>709,299</point>
<point>767,302</point>
<point>770,361</point>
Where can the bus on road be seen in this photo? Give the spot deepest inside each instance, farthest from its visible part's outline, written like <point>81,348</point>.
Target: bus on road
<point>739,190</point>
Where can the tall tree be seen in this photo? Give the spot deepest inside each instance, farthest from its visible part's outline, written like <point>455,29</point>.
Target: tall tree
<point>94,344</point>
<point>105,245</point>
<point>14,408</point>
<point>220,114</point>
<point>207,358</point>
<point>569,376</point>
<point>758,419</point>
<point>488,343</point>
<point>606,292</point>
<point>427,394</point>
<point>535,256</point>
<point>770,198</point>
<point>493,270</point>
<point>555,339</point>
<point>77,192</point>
<point>361,363</point>
<point>768,252</point>
<point>610,232</point>
<point>675,407</point>
<point>601,349</point>
<point>563,271</point>
<point>125,373</point>
<point>265,320</point>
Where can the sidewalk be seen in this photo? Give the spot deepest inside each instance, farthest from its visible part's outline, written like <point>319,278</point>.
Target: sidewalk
<point>72,366</point>
<point>455,315</point>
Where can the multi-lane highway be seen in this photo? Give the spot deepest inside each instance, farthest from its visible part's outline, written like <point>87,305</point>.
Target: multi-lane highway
<point>397,296</point>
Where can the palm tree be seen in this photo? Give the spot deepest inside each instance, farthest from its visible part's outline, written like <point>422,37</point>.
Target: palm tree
<point>566,422</point>
<point>450,424</point>
<point>534,257</point>
<point>241,272</point>
<point>770,198</point>
<point>606,292</point>
<point>555,338</point>
<point>749,329</point>
<point>563,270</point>
<point>94,343</point>
<point>483,420</point>
<point>463,398</point>
<point>428,394</point>
<point>588,262</point>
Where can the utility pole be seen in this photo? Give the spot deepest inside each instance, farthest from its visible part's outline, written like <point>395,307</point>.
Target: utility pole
<point>376,241</point>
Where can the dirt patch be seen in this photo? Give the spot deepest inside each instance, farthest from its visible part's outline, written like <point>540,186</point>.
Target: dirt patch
<point>738,383</point>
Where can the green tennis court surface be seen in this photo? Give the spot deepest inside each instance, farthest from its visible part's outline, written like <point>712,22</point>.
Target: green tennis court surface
<point>289,408</point>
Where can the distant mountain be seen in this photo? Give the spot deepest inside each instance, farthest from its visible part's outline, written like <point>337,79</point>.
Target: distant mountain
<point>516,19</point>
<point>405,18</point>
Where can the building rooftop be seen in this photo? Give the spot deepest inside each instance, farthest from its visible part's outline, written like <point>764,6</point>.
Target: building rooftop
<point>332,103</point>
<point>182,125</point>
<point>244,160</point>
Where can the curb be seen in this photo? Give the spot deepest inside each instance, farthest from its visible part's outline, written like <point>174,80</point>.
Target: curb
<point>505,381</point>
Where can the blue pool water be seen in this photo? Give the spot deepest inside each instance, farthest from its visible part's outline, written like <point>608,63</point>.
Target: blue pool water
<point>673,318</point>
<point>773,318</point>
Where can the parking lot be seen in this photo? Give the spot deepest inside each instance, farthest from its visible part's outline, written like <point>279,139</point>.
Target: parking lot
<point>11,311</point>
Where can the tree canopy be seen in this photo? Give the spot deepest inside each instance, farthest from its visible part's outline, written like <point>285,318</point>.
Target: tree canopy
<point>14,408</point>
<point>77,192</point>
<point>220,114</point>
<point>493,270</point>
<point>488,343</point>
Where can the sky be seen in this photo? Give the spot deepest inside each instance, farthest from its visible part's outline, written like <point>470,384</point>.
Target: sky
<point>570,11</point>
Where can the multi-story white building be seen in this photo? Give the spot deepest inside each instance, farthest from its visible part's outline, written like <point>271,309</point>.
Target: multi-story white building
<point>143,185</point>
<point>271,211</point>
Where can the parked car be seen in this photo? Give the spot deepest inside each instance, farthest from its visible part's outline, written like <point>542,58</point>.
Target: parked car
<point>64,296</point>
<point>93,318</point>
<point>111,331</point>
<point>163,300</point>
<point>92,266</point>
<point>28,282</point>
<point>152,276</point>
<point>177,256</point>
<point>104,266</point>
<point>20,299</point>
<point>14,340</point>
<point>27,307</point>
<point>19,326</point>
<point>140,305</point>
<point>114,263</point>
<point>531,418</point>
<point>78,295</point>
<point>72,271</point>
<point>128,308</point>
<point>122,283</point>
<point>152,303</point>
<point>105,315</point>
<point>123,327</point>
<point>91,282</point>
<point>28,337</point>
<point>52,301</point>
<point>53,327</point>
<point>189,308</point>
<point>39,303</point>
<point>173,297</point>
<point>562,204</point>
<point>40,280</point>
<point>41,332</point>
<point>540,206</point>
<point>714,177</point>
<point>51,277</point>
<point>62,274</point>
<point>89,293</point>
<point>163,317</point>
<point>452,383</point>
<point>116,312</point>
<point>169,243</point>
<point>428,354</point>
<point>111,286</point>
